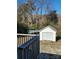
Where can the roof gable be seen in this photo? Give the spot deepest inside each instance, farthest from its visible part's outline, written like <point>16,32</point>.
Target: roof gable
<point>52,28</point>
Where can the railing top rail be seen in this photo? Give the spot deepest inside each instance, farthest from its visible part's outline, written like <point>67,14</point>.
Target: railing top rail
<point>27,34</point>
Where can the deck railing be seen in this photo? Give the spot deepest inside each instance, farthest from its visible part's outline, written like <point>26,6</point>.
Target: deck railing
<point>28,47</point>
<point>23,38</point>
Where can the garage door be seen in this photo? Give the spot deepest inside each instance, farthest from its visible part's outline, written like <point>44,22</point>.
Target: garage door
<point>47,36</point>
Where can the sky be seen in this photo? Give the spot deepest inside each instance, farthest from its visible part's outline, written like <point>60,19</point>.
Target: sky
<point>56,4</point>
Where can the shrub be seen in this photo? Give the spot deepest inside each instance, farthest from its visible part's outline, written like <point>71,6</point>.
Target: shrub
<point>22,28</point>
<point>58,37</point>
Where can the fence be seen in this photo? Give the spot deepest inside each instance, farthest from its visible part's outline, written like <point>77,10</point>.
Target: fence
<point>28,46</point>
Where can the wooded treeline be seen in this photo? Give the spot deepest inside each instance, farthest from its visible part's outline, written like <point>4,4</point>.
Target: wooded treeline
<point>36,14</point>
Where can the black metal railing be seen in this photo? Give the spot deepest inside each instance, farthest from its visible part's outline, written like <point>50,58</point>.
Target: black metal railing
<point>28,48</point>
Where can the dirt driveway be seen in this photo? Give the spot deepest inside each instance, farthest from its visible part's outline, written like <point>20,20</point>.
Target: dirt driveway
<point>50,47</point>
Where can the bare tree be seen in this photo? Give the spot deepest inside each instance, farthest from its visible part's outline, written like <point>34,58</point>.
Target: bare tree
<point>25,11</point>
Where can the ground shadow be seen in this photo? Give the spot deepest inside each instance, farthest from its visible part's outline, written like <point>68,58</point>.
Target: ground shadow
<point>48,56</point>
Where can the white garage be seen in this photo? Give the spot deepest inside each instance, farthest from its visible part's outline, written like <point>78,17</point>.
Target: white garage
<point>48,33</point>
